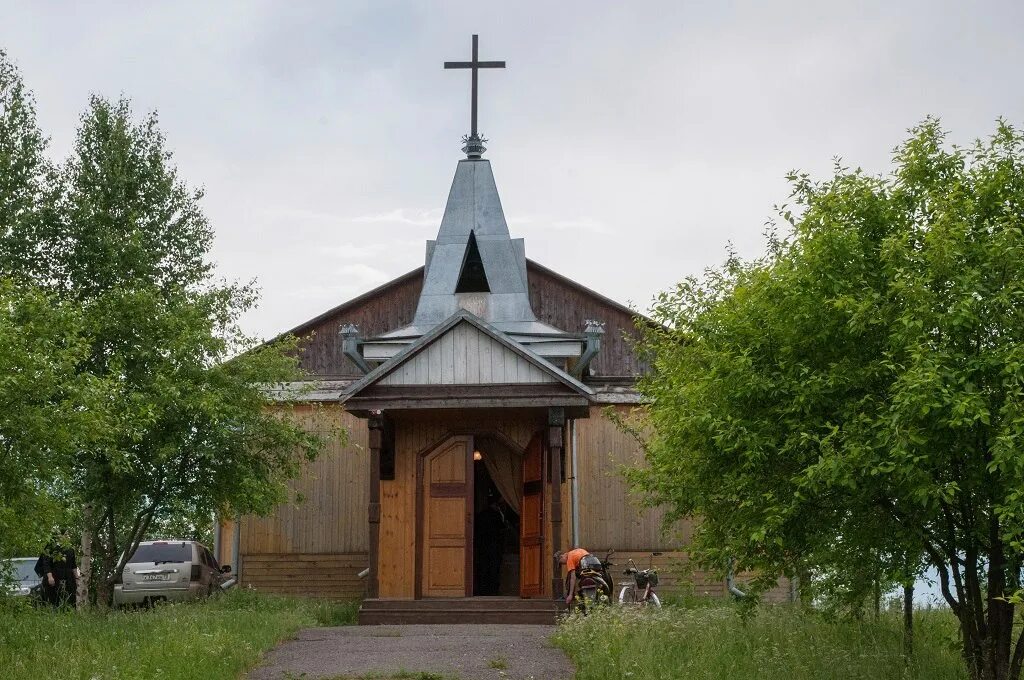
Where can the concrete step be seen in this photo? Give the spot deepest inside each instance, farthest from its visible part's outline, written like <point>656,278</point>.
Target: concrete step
<point>396,617</point>
<point>465,604</point>
<point>463,610</point>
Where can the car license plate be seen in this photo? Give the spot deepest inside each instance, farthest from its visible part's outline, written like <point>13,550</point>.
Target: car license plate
<point>156,577</point>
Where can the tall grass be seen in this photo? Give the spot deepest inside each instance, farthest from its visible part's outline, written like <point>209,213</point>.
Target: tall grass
<point>219,638</point>
<point>778,643</point>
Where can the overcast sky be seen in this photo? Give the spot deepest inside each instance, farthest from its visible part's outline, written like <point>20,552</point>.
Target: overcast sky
<point>631,141</point>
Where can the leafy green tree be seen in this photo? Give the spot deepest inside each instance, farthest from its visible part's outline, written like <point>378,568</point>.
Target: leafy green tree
<point>45,414</point>
<point>191,423</point>
<point>42,422</point>
<point>23,171</point>
<point>855,395</point>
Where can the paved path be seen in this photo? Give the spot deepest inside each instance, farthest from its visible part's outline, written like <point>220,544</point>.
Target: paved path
<point>466,652</point>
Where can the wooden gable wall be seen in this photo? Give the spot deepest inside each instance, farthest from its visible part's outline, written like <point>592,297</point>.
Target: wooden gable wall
<point>465,355</point>
<point>556,300</point>
<point>567,305</point>
<point>381,310</point>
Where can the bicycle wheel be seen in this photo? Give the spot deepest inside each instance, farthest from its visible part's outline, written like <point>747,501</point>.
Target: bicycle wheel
<point>628,596</point>
<point>653,601</point>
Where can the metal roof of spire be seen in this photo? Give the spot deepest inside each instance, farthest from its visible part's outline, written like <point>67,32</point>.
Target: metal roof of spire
<point>474,208</point>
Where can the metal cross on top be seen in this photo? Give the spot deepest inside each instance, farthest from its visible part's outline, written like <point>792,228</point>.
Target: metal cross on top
<point>475,65</point>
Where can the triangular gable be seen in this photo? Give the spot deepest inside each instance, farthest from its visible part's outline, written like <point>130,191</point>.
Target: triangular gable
<point>464,350</point>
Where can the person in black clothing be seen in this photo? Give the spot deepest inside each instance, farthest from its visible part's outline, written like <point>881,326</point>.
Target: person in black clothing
<point>58,567</point>
<point>489,541</point>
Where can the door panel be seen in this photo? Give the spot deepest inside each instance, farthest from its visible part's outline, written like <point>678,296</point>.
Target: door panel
<point>447,487</point>
<point>448,521</point>
<point>531,522</point>
<point>446,577</point>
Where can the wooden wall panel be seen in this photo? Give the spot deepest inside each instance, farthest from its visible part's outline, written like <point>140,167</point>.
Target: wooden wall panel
<point>609,513</point>
<point>396,565</point>
<point>566,496</point>
<point>331,518</point>
<point>333,575</point>
<point>227,537</point>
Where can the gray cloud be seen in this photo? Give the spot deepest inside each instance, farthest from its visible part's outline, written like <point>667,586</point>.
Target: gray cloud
<point>635,139</point>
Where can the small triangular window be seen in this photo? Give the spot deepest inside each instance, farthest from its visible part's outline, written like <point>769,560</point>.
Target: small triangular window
<point>472,278</point>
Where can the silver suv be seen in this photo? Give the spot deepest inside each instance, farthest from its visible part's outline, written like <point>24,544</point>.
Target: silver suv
<point>171,571</point>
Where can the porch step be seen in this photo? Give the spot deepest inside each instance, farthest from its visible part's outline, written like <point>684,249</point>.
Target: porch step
<point>463,610</point>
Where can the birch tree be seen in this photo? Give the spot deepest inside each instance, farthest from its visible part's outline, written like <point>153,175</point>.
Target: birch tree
<point>192,426</point>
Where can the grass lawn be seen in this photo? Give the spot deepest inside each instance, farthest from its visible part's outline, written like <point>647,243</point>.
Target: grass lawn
<point>776,644</point>
<point>216,639</point>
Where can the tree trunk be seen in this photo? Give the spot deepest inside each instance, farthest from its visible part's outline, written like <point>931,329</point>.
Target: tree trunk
<point>908,619</point>
<point>104,582</point>
<point>805,591</point>
<point>104,593</point>
<point>986,654</point>
<point>85,564</point>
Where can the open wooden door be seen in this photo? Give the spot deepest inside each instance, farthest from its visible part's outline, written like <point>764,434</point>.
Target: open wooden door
<point>447,493</point>
<point>531,538</point>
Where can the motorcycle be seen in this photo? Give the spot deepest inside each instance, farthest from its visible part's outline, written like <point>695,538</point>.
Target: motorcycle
<point>593,581</point>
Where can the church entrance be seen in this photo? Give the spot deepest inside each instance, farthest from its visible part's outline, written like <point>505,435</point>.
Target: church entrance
<point>480,533</point>
<point>496,518</point>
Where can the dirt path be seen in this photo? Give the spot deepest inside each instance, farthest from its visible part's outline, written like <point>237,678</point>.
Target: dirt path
<point>465,652</point>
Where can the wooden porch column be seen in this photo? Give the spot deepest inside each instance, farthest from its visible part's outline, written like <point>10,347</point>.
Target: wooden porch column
<point>376,438</point>
<point>556,420</point>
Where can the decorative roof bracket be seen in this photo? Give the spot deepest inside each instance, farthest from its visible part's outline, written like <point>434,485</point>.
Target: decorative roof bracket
<point>350,346</point>
<point>594,330</point>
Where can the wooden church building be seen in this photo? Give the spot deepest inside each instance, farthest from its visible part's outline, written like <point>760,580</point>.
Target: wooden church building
<point>475,392</point>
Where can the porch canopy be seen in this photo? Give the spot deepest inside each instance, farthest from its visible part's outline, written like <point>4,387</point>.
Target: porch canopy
<point>464,362</point>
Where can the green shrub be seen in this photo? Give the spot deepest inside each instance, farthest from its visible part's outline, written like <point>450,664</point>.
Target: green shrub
<point>776,643</point>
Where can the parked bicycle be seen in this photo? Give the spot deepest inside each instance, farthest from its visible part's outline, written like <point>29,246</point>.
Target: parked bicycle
<point>639,586</point>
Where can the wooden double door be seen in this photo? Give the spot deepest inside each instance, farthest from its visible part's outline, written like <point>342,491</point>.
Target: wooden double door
<point>445,545</point>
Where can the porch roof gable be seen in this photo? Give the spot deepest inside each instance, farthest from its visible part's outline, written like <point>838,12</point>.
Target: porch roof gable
<point>501,361</point>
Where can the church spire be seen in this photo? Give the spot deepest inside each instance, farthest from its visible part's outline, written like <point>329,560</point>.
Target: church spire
<point>474,255</point>
<point>473,143</point>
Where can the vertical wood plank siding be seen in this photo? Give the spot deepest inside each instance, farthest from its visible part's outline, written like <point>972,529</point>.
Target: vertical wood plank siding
<point>460,361</point>
<point>609,513</point>
<point>332,517</point>
<point>317,547</point>
<point>227,536</point>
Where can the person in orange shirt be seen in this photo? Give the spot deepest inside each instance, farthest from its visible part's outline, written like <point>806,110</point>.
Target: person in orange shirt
<point>571,560</point>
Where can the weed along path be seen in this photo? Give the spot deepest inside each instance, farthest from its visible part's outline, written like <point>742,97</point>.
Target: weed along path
<point>434,652</point>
